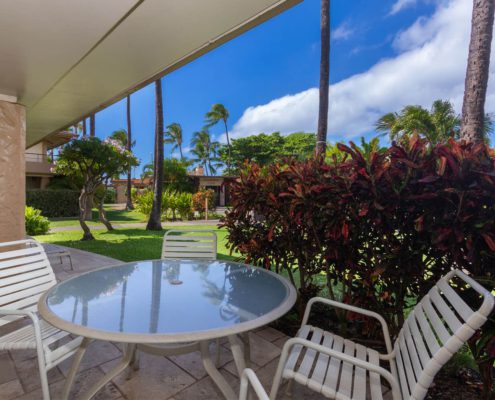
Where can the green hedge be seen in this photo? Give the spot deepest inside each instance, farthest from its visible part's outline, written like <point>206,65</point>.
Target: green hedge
<point>54,203</point>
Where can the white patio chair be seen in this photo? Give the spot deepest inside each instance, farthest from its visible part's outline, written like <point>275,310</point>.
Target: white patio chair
<point>249,379</point>
<point>341,369</point>
<point>188,244</point>
<point>25,274</point>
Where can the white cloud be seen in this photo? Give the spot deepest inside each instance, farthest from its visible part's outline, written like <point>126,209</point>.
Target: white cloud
<point>431,65</point>
<point>399,5</point>
<point>342,32</point>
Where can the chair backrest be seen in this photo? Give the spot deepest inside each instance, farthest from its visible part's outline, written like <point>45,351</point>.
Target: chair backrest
<point>190,245</point>
<point>25,274</point>
<point>436,329</point>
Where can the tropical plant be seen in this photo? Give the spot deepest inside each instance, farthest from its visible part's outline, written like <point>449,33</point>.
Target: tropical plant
<point>199,200</point>
<point>154,221</point>
<point>175,176</point>
<point>184,205</point>
<point>436,125</point>
<point>321,135</point>
<point>206,151</point>
<point>36,224</point>
<point>473,106</point>
<point>173,135</point>
<point>218,113</point>
<point>93,162</point>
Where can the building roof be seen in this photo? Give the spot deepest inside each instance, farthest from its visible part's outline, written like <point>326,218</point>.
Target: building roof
<point>64,60</point>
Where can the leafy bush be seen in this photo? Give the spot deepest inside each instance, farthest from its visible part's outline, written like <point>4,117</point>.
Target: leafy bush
<point>383,225</point>
<point>184,205</point>
<point>110,196</point>
<point>199,200</point>
<point>54,203</point>
<point>36,224</point>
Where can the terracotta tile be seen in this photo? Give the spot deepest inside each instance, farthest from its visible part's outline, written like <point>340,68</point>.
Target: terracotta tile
<point>11,390</point>
<point>269,334</point>
<point>192,362</point>
<point>29,374</point>
<point>98,352</point>
<point>7,369</point>
<point>205,389</point>
<point>157,378</point>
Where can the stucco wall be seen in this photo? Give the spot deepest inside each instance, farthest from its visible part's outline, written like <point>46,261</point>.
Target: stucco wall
<point>12,171</point>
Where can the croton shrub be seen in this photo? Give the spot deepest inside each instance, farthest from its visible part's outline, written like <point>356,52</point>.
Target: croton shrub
<point>373,227</point>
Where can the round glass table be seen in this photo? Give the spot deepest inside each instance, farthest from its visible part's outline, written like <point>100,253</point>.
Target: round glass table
<point>168,302</point>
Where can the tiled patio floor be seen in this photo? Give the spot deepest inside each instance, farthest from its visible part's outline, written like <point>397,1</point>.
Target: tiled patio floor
<point>172,378</point>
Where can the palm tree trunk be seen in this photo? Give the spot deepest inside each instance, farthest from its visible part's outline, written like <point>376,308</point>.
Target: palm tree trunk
<point>84,127</point>
<point>180,151</point>
<point>154,222</point>
<point>321,137</point>
<point>92,131</point>
<point>473,106</point>
<point>129,205</point>
<point>229,160</point>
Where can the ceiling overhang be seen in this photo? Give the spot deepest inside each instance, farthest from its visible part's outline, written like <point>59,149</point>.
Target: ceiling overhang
<point>66,59</point>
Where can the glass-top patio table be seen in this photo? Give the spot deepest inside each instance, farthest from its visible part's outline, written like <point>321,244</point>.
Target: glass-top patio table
<point>168,303</point>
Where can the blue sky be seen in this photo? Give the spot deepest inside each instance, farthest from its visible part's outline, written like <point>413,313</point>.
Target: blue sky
<point>384,55</point>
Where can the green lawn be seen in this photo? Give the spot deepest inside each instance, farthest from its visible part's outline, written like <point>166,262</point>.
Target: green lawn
<point>128,244</point>
<point>117,216</point>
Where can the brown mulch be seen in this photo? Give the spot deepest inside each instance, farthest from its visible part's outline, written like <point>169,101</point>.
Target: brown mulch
<point>466,385</point>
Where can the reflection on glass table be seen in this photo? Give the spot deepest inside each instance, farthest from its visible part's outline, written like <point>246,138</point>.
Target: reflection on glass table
<point>169,302</point>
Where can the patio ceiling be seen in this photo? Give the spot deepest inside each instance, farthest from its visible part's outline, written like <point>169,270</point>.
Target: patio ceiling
<point>65,59</point>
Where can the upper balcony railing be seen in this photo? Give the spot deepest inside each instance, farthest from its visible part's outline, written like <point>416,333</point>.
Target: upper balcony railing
<point>38,164</point>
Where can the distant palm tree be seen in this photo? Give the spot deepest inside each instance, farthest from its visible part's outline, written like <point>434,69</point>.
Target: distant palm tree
<point>219,113</point>
<point>321,136</point>
<point>130,144</point>
<point>436,125</point>
<point>473,106</point>
<point>154,222</point>
<point>173,135</point>
<point>120,135</point>
<point>205,150</point>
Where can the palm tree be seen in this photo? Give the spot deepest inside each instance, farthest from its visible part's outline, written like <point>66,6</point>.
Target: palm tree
<point>436,125</point>
<point>120,135</point>
<point>321,136</point>
<point>205,150</point>
<point>129,205</point>
<point>473,106</point>
<point>218,113</point>
<point>174,135</point>
<point>92,132</point>
<point>154,222</point>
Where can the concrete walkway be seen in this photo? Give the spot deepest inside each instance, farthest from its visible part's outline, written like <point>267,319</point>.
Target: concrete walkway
<point>168,378</point>
<point>129,225</point>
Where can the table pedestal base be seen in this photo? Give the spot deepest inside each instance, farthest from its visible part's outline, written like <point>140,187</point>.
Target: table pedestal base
<point>239,345</point>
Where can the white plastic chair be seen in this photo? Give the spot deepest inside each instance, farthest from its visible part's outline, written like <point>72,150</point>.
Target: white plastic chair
<point>188,244</point>
<point>339,368</point>
<point>249,379</point>
<point>25,274</point>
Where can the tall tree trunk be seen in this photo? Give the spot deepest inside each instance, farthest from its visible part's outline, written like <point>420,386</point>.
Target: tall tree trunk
<point>102,216</point>
<point>129,205</point>
<point>84,128</point>
<point>154,222</point>
<point>473,106</point>
<point>92,131</point>
<point>229,160</point>
<point>180,151</point>
<point>321,137</point>
<point>83,200</point>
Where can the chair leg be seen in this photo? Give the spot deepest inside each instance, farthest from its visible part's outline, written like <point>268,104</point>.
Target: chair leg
<point>278,375</point>
<point>217,361</point>
<point>43,373</point>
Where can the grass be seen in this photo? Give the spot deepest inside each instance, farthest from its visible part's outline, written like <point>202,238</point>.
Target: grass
<point>131,244</point>
<point>117,216</point>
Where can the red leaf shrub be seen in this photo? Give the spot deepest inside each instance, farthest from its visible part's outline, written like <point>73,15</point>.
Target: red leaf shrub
<point>382,225</point>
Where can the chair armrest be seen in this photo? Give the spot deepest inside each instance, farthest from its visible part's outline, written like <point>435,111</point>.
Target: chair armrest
<point>249,377</point>
<point>340,356</point>
<point>31,315</point>
<point>357,310</point>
